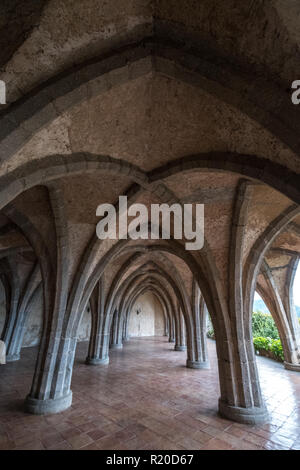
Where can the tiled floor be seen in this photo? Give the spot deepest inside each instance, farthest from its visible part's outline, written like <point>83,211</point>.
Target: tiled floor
<point>146,399</point>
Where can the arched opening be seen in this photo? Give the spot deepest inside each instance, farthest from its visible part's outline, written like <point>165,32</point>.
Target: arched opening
<point>84,329</point>
<point>164,105</point>
<point>2,307</point>
<point>259,304</point>
<point>266,337</point>
<point>296,292</point>
<point>83,335</point>
<point>146,317</point>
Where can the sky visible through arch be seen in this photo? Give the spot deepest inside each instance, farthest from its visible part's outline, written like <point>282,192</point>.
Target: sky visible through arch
<point>297,287</point>
<point>296,291</point>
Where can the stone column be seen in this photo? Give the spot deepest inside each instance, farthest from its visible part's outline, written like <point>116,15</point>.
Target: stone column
<point>288,301</point>
<point>125,335</point>
<point>166,331</point>
<point>199,356</point>
<point>241,399</point>
<point>99,340</point>
<point>115,325</point>
<point>15,340</point>
<point>50,393</point>
<point>180,344</point>
<point>172,330</point>
<point>12,295</point>
<point>277,291</point>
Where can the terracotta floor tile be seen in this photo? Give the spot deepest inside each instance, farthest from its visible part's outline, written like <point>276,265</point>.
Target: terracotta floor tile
<point>71,432</point>
<point>64,445</point>
<point>52,440</point>
<point>201,436</point>
<point>108,443</point>
<point>79,441</point>
<point>146,399</point>
<point>34,445</point>
<point>216,444</point>
<point>96,434</point>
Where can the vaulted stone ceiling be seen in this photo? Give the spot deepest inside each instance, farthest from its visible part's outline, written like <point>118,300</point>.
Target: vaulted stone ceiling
<point>160,101</point>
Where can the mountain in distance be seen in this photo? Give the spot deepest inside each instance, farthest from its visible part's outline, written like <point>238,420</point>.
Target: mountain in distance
<point>259,305</point>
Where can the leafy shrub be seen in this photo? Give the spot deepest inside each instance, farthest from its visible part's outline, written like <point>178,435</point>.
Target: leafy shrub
<point>210,329</point>
<point>277,350</point>
<point>265,335</point>
<point>210,332</point>
<point>262,343</point>
<point>264,326</point>
<point>269,345</point>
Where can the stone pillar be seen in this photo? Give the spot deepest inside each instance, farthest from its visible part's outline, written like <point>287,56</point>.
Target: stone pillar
<point>180,344</point>
<point>166,332</point>
<point>241,399</point>
<point>99,340</point>
<point>198,356</point>
<point>120,337</point>
<point>277,291</point>
<point>50,392</point>
<point>20,329</point>
<point>18,320</point>
<point>172,330</point>
<point>125,335</point>
<point>12,295</point>
<point>116,342</point>
<point>288,300</point>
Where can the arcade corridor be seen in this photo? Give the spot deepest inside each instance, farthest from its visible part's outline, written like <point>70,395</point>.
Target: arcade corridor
<point>146,399</point>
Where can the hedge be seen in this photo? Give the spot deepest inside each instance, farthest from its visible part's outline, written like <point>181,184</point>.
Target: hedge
<point>263,326</point>
<point>269,347</point>
<point>265,336</point>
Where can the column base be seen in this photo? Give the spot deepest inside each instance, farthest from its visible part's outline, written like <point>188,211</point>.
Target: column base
<point>254,415</point>
<point>49,406</point>
<point>179,348</point>
<point>290,366</point>
<point>116,346</point>
<point>96,361</point>
<point>12,357</point>
<point>197,364</point>
<point>171,340</point>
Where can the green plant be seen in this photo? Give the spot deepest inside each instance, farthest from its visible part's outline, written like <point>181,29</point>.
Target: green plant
<point>264,326</point>
<point>265,335</point>
<point>276,349</point>
<point>269,345</point>
<point>262,343</point>
<point>210,333</point>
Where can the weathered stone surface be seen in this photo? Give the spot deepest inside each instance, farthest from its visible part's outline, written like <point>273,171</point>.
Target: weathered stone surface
<point>165,103</point>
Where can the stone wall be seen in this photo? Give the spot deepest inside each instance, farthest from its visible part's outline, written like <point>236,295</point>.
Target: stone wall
<point>2,307</point>
<point>150,321</point>
<point>85,327</point>
<point>35,322</point>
